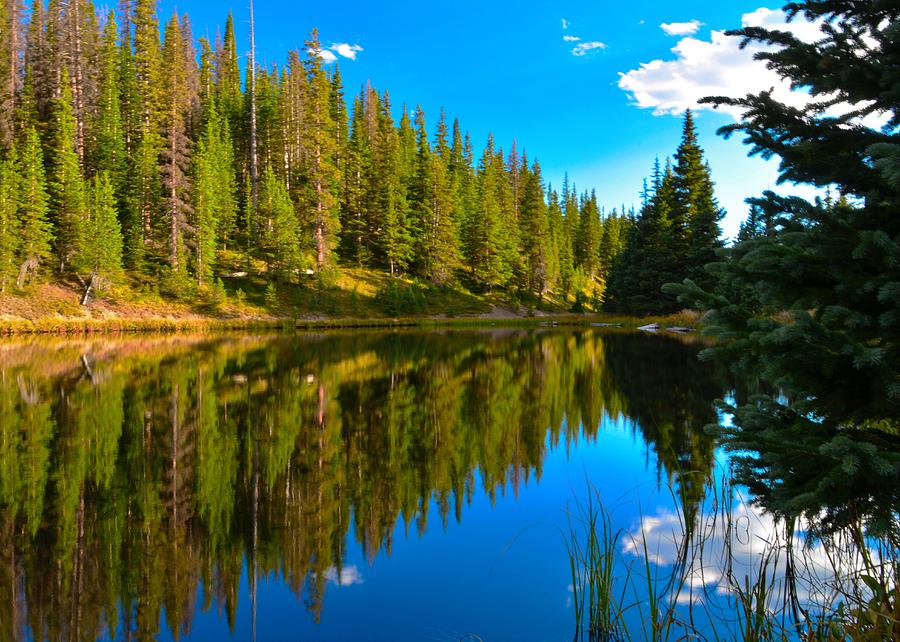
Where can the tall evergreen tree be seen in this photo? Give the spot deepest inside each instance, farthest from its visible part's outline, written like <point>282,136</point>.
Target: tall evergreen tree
<point>108,152</point>
<point>11,47</point>
<point>812,308</point>
<point>102,244</point>
<point>68,204</point>
<point>279,232</point>
<point>146,105</point>
<point>9,220</point>
<point>179,98</point>
<point>35,231</point>
<point>322,148</point>
<point>394,232</point>
<point>214,196</point>
<point>696,235</point>
<point>648,260</point>
<point>535,233</point>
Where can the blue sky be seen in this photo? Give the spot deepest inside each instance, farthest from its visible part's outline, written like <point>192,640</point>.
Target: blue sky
<point>512,69</point>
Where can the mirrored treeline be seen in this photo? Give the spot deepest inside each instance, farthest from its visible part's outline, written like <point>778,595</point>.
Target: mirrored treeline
<point>140,478</point>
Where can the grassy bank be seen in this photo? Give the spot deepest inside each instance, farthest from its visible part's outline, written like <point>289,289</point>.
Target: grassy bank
<point>355,299</point>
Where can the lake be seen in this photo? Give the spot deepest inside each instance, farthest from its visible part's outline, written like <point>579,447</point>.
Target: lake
<point>406,485</point>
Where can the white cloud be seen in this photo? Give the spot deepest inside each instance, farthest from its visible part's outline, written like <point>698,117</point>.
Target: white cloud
<point>565,24</point>
<point>681,28</point>
<point>571,38</point>
<point>346,50</point>
<point>325,55</point>
<point>738,544</point>
<point>586,47</point>
<point>348,576</point>
<point>715,67</point>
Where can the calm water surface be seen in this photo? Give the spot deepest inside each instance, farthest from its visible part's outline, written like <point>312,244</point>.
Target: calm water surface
<point>373,486</point>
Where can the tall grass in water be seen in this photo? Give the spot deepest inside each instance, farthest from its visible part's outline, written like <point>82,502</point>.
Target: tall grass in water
<point>729,573</point>
<point>592,544</point>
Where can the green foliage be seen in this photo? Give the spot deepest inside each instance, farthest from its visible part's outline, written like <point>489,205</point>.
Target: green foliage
<point>35,231</point>
<point>214,199</point>
<point>279,234</point>
<point>9,222</point>
<point>170,127</point>
<point>675,236</point>
<point>806,305</point>
<point>65,185</point>
<point>100,235</point>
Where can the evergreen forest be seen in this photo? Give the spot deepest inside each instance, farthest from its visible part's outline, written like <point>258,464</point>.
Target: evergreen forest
<point>138,158</point>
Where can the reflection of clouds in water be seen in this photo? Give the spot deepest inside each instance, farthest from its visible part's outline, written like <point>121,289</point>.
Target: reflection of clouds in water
<point>727,550</point>
<point>347,576</point>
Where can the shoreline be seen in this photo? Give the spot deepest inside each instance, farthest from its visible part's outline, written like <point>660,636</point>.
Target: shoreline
<point>70,326</point>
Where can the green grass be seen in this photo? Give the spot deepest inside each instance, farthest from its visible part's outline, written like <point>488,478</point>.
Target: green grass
<point>350,298</point>
<point>632,596</point>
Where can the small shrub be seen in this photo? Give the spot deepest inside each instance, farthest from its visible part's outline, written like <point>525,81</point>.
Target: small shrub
<point>271,296</point>
<point>580,305</point>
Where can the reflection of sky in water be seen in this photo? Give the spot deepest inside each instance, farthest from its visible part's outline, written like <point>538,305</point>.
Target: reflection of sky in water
<point>740,543</point>
<point>502,573</point>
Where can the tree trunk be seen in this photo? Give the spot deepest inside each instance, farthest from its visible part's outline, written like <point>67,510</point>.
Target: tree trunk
<point>254,169</point>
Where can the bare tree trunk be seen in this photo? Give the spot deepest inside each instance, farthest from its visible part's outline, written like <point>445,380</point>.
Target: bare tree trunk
<point>173,192</point>
<point>254,169</point>
<point>78,79</point>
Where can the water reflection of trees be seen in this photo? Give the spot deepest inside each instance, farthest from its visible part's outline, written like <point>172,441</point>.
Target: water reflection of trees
<point>135,474</point>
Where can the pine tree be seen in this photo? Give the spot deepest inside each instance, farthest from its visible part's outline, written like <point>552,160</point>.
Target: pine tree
<point>393,229</point>
<point>487,239</point>
<point>11,45</point>
<point>437,249</point>
<point>102,243</point>
<point>696,235</point>
<point>357,168</point>
<point>228,76</point>
<point>562,241</point>
<point>587,239</point>
<point>214,196</point>
<point>279,233</point>
<point>179,98</point>
<point>9,221</point>
<point>108,153</point>
<point>68,206</point>
<point>810,310</point>
<point>147,104</point>
<point>35,231</point>
<point>322,148</point>
<point>535,233</point>
<point>648,260</point>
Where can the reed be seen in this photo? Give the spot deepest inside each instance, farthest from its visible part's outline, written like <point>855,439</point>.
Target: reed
<point>725,577</point>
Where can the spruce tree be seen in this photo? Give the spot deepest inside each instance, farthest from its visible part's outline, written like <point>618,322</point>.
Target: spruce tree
<point>9,221</point>
<point>696,235</point>
<point>214,193</point>
<point>179,98</point>
<point>394,233</point>
<point>534,231</point>
<point>228,75</point>
<point>322,149</point>
<point>810,311</point>
<point>487,238</point>
<point>68,207</point>
<point>279,230</point>
<point>357,167</point>
<point>11,44</point>
<point>147,104</point>
<point>648,260</point>
<point>108,152</point>
<point>35,231</point>
<point>102,243</point>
